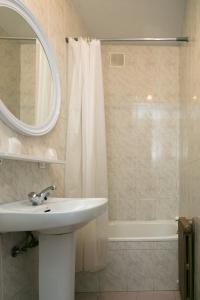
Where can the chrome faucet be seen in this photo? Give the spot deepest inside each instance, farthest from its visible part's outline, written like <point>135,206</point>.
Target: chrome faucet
<point>39,198</point>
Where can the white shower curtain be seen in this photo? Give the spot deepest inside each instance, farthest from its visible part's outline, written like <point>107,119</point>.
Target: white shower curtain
<point>86,168</point>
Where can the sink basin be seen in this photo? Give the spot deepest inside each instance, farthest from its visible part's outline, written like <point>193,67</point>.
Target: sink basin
<point>55,216</point>
<point>55,220</point>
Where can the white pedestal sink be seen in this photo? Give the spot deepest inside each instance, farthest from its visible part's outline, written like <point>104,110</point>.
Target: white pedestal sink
<point>56,220</point>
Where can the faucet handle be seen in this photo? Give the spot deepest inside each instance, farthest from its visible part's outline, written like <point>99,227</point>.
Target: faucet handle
<point>39,198</point>
<point>32,195</point>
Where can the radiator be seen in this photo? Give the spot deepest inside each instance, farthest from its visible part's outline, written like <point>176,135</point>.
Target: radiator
<point>186,264</point>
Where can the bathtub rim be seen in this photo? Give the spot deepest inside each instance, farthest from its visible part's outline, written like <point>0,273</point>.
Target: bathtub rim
<point>152,238</point>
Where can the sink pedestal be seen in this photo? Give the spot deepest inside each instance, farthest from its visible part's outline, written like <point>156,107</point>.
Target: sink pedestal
<point>55,220</point>
<point>56,266</point>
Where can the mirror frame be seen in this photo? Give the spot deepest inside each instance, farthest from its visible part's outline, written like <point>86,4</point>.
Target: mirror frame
<point>5,115</point>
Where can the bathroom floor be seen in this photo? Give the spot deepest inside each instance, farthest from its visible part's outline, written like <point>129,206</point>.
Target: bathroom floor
<point>161,295</point>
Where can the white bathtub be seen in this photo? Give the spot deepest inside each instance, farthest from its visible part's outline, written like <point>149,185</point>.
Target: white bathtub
<point>142,256</point>
<point>158,230</point>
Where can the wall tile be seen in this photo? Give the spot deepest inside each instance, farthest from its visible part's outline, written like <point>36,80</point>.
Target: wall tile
<point>146,209</point>
<point>114,277</point>
<point>24,295</point>
<point>166,270</point>
<point>166,245</point>
<point>58,19</point>
<point>189,132</point>
<point>142,124</point>
<point>17,272</point>
<point>87,282</point>
<point>160,65</point>
<point>140,245</point>
<point>135,266</point>
<point>167,208</point>
<point>140,270</point>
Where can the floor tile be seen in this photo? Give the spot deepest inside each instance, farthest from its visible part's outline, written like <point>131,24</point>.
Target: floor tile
<point>156,296</point>
<point>87,296</point>
<point>118,296</point>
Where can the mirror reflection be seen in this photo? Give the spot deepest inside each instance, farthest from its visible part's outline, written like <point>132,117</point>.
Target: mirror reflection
<point>26,85</point>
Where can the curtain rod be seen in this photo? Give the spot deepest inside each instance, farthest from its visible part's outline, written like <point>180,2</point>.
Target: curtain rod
<point>174,39</point>
<point>16,38</point>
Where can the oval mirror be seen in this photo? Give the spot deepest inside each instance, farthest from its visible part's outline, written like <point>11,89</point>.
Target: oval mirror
<point>29,80</point>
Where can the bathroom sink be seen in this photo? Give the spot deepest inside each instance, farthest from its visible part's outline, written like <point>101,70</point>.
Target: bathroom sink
<point>56,221</point>
<point>55,216</point>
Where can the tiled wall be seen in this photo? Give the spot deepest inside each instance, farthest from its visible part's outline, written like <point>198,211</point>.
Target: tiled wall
<point>189,127</point>
<point>134,266</point>
<point>58,19</point>
<point>142,135</point>
<point>190,114</point>
<point>142,119</point>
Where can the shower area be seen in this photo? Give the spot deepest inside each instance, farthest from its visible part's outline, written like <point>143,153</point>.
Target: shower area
<point>151,100</point>
<point>141,84</point>
<point>141,94</point>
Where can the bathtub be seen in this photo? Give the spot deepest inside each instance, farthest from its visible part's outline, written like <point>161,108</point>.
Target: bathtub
<point>159,230</point>
<point>142,256</point>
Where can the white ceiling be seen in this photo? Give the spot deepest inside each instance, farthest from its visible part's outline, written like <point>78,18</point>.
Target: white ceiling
<point>132,18</point>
